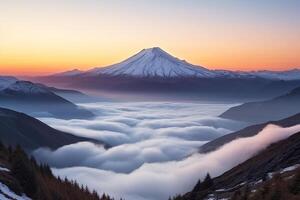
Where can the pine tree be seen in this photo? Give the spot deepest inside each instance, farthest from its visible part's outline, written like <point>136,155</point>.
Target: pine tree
<point>207,183</point>
<point>2,147</point>
<point>23,171</point>
<point>197,186</point>
<point>295,185</point>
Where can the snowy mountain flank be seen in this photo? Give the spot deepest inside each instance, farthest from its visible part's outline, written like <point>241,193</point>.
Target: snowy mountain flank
<point>155,62</point>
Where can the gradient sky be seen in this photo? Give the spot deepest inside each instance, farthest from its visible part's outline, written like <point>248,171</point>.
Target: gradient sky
<point>46,36</point>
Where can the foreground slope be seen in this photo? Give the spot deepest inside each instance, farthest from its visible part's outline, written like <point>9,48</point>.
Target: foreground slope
<point>18,128</point>
<point>278,156</point>
<point>255,175</point>
<point>22,178</point>
<point>262,111</point>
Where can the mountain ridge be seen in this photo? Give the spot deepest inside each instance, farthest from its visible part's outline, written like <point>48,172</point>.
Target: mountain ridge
<point>155,62</point>
<point>261,111</point>
<point>154,71</point>
<point>17,128</point>
<point>152,62</point>
<point>37,100</point>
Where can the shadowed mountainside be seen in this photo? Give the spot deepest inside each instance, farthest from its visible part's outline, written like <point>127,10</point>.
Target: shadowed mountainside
<point>18,128</point>
<point>23,178</point>
<point>254,175</point>
<point>274,109</point>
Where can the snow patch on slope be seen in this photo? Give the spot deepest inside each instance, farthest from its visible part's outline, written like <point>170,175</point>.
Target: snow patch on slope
<point>4,169</point>
<point>7,194</point>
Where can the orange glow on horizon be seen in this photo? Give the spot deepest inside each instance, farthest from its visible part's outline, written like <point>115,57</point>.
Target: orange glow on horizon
<point>44,65</point>
<point>38,38</point>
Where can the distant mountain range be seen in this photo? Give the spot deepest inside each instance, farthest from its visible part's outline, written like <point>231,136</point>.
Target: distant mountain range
<point>30,133</point>
<point>155,62</point>
<point>155,71</point>
<point>37,100</point>
<point>262,111</point>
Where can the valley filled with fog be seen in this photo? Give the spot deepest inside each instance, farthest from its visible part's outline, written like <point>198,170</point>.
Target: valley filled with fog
<point>145,140</point>
<point>151,148</point>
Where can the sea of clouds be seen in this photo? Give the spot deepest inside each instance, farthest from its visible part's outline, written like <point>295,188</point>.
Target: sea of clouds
<point>158,181</point>
<point>123,123</point>
<point>138,133</point>
<point>154,145</point>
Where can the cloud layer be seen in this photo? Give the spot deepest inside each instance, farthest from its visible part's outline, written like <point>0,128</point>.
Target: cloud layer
<point>158,181</point>
<point>139,133</point>
<point>153,144</point>
<point>122,123</point>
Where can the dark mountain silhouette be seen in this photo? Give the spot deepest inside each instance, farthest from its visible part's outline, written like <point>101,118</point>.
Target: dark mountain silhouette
<point>18,128</point>
<point>212,89</point>
<point>21,175</point>
<point>274,109</point>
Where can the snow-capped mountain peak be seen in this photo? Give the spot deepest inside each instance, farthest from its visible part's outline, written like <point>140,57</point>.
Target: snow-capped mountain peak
<point>153,62</point>
<point>11,84</point>
<point>27,87</point>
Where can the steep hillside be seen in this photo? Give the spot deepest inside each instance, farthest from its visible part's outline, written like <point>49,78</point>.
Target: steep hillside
<point>18,128</point>
<point>22,178</point>
<point>255,174</point>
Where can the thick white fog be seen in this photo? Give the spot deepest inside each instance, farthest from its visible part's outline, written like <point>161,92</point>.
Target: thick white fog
<point>158,181</point>
<point>138,133</point>
<point>154,148</point>
<point>122,123</point>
